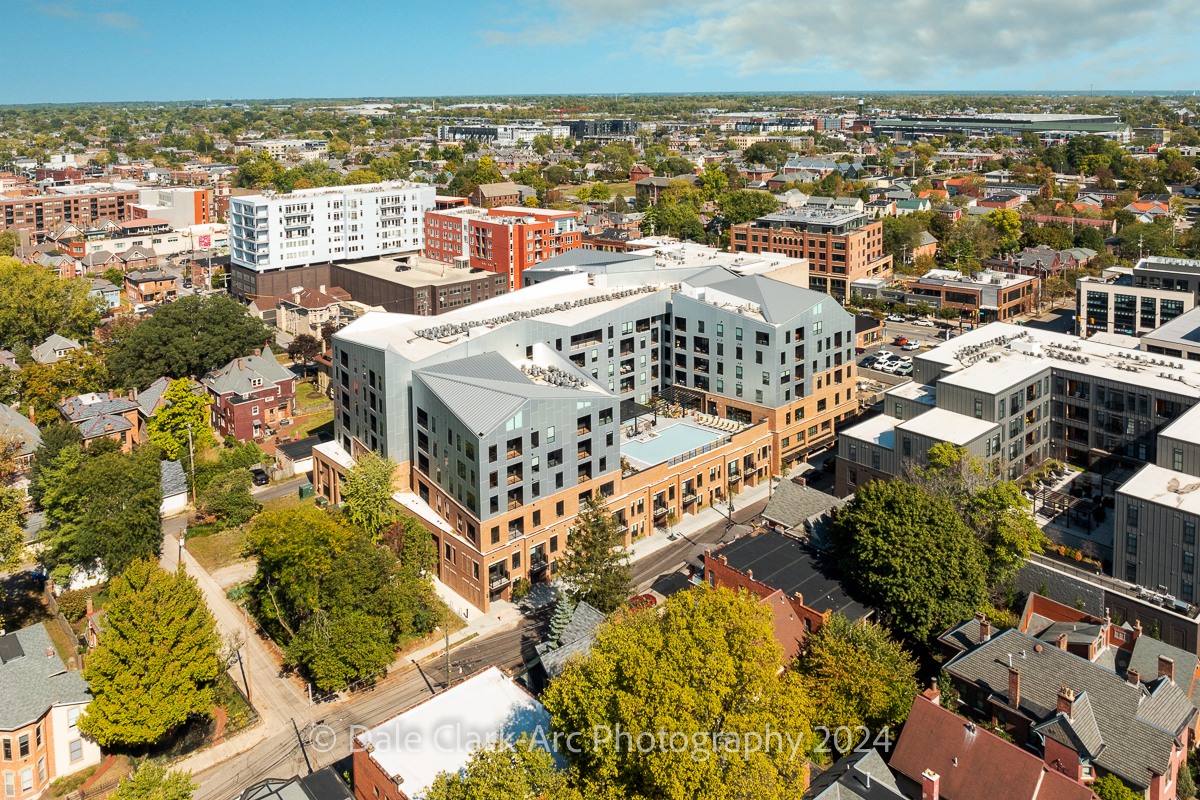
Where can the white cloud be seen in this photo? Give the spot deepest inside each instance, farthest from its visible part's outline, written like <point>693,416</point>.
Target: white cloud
<point>906,42</point>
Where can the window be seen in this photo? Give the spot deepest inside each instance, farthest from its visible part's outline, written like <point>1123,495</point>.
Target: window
<point>27,779</point>
<point>516,560</point>
<point>558,511</point>
<point>37,733</point>
<point>8,750</point>
<point>978,408</point>
<point>907,446</point>
<point>23,746</point>
<point>10,785</point>
<point>1189,533</point>
<point>550,434</point>
<point>496,534</point>
<point>1189,562</point>
<point>875,459</point>
<point>1131,544</point>
<point>1177,464</point>
<point>42,770</point>
<point>1131,515</point>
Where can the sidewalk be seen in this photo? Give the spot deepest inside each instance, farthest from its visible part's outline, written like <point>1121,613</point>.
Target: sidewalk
<point>693,523</point>
<point>501,616</point>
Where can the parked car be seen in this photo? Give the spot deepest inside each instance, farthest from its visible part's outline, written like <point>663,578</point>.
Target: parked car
<point>904,369</point>
<point>260,477</point>
<point>895,318</point>
<point>911,344</point>
<point>926,323</point>
<point>885,354</point>
<point>901,341</point>
<point>858,351</point>
<point>889,366</point>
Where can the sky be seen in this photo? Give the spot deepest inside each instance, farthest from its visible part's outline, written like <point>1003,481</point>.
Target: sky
<point>175,50</point>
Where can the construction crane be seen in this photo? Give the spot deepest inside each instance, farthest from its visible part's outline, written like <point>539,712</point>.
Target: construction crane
<point>561,111</point>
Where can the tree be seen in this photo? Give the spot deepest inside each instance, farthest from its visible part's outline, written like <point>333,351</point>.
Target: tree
<point>521,771</point>
<point>706,666</point>
<point>328,329</point>
<point>858,675</point>
<point>713,181</point>
<point>1007,224</point>
<point>620,204</point>
<point>304,348</point>
<point>103,505</point>
<point>227,498</point>
<point>184,410</point>
<point>8,242</point>
<point>743,205</point>
<point>596,570</point>
<point>12,533</point>
<point>367,493</point>
<point>55,437</point>
<point>192,336</point>
<point>35,302</point>
<point>771,154</point>
<point>45,385</point>
<point>1110,787</point>
<point>914,557</point>
<point>153,782</point>
<point>156,661</point>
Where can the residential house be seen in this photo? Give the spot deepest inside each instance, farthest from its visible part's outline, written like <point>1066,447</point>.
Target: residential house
<point>138,258</point>
<point>1082,718</point>
<point>880,207</point>
<point>801,511</point>
<point>40,706</point>
<point>1042,260</point>
<point>106,291</point>
<point>54,348</point>
<point>862,775</point>
<point>942,756</point>
<point>905,207</point>
<point>149,286</point>
<point>950,211</point>
<point>152,399</point>
<point>1008,200</point>
<point>926,245</point>
<point>251,395</point>
<point>653,187</point>
<point>638,172</point>
<point>103,416</point>
<point>307,310</point>
<point>786,575</point>
<point>494,195</point>
<point>574,642</point>
<point>174,486</point>
<point>24,437</point>
<point>8,360</point>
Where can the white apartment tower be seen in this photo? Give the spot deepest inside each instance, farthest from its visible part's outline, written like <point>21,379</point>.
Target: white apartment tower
<point>272,231</point>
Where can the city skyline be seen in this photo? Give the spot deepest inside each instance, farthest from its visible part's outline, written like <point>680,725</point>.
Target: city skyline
<point>160,52</point>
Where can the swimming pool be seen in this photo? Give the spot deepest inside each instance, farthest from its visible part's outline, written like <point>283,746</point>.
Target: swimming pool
<point>668,443</point>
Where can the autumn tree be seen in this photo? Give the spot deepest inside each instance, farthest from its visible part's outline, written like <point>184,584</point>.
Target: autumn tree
<point>184,411</point>
<point>707,665</point>
<point>596,567</point>
<point>152,781</point>
<point>1007,224</point>
<point>35,302</point>
<point>157,660</point>
<point>519,771</point>
<point>857,675</point>
<point>305,347</point>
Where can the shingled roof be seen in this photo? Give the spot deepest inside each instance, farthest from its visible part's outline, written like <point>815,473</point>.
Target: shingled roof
<point>33,678</point>
<point>237,377</point>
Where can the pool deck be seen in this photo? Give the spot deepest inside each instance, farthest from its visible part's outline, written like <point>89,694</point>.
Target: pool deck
<point>668,440</point>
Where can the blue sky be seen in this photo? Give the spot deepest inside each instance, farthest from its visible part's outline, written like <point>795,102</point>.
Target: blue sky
<point>134,50</point>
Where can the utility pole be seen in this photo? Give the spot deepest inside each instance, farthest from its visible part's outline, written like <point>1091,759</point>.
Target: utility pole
<point>192,462</point>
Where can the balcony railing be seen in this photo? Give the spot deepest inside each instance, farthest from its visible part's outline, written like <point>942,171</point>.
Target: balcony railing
<point>498,581</point>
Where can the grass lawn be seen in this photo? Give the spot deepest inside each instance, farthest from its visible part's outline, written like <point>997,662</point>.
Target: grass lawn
<point>313,424</point>
<point>289,500</point>
<point>65,648</point>
<point>218,550</point>
<point>308,397</point>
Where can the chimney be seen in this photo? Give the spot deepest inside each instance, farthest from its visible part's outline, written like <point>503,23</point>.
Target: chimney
<point>1166,668</point>
<point>750,574</point>
<point>89,605</point>
<point>1061,641</point>
<point>32,415</point>
<point>985,627</point>
<point>933,693</point>
<point>257,352</point>
<point>1133,676</point>
<point>296,298</point>
<point>49,652</point>
<point>1014,687</point>
<point>1066,702</point>
<point>931,785</point>
<point>322,288</point>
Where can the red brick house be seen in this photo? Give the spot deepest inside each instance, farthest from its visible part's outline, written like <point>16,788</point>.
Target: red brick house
<point>1009,200</point>
<point>103,416</point>
<point>138,258</point>
<point>250,395</point>
<point>149,286</point>
<point>494,195</point>
<point>640,171</point>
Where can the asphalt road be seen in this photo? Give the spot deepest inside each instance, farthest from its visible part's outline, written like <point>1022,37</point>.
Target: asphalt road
<point>264,493</point>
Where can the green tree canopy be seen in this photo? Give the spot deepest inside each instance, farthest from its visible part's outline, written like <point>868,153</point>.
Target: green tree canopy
<point>1007,224</point>
<point>523,771</point>
<point>367,493</point>
<point>913,555</point>
<point>184,410</point>
<point>35,302</point>
<point>156,661</point>
<point>707,663</point>
<point>596,569</point>
<point>190,337</point>
<point>857,674</point>
<point>743,205</point>
<point>153,782</point>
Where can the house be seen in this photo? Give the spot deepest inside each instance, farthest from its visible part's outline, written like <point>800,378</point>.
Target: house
<point>106,291</point>
<point>880,207</point>
<point>307,310</point>
<point>908,206</point>
<point>25,438</point>
<point>54,348</point>
<point>251,395</point>
<point>653,187</point>
<point>1009,200</point>
<point>926,245</point>
<point>950,211</point>
<point>324,784</point>
<point>575,641</point>
<point>400,758</point>
<point>786,575</point>
<point>149,286</point>
<point>138,258</point>
<point>40,706</point>
<point>1042,260</point>
<point>800,510</point>
<point>640,171</point>
<point>174,485</point>
<point>1083,719</point>
<point>942,756</point>
<point>150,400</point>
<point>100,416</point>
<point>858,776</point>
<point>867,330</point>
<point>494,195</point>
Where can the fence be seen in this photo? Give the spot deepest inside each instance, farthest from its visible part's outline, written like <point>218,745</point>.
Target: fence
<point>72,637</point>
<point>102,787</point>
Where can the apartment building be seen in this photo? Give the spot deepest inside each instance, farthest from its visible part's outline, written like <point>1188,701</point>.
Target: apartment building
<point>78,204</point>
<point>841,245</point>
<point>1016,397</point>
<point>308,149</point>
<point>581,129</point>
<point>272,232</point>
<point>506,416</point>
<point>1136,301</point>
<point>179,206</point>
<point>1177,338</point>
<point>501,134</point>
<point>505,240</point>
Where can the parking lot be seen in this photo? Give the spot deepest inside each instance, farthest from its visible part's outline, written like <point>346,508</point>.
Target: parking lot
<point>920,336</point>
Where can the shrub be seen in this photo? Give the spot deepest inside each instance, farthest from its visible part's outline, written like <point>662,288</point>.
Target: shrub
<point>73,605</point>
<point>521,588</point>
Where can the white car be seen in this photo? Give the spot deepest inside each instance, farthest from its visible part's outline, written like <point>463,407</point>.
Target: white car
<point>884,354</point>
<point>925,323</point>
<point>889,367</point>
<point>904,369</point>
<point>911,344</point>
<point>895,318</point>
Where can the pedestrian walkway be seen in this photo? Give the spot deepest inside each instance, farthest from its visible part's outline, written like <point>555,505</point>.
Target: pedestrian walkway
<point>501,616</point>
<point>694,523</point>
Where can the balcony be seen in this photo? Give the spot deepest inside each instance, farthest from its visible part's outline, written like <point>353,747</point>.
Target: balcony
<point>583,454</point>
<point>660,511</point>
<point>538,564</point>
<point>498,580</point>
<point>515,475</point>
